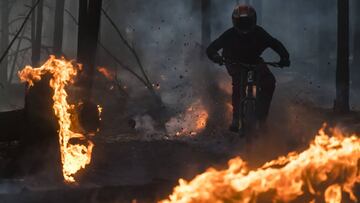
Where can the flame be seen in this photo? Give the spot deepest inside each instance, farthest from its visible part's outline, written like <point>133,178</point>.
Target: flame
<point>192,122</point>
<point>201,120</point>
<point>333,194</point>
<point>100,110</point>
<point>108,74</point>
<point>73,156</point>
<point>328,168</point>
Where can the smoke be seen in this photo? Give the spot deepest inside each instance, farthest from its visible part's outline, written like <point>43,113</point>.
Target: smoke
<point>167,37</point>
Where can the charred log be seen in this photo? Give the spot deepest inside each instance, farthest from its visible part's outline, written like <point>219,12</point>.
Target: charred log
<point>12,125</point>
<point>37,134</point>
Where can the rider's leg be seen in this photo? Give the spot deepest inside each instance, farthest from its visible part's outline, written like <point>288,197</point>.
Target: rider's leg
<point>267,83</point>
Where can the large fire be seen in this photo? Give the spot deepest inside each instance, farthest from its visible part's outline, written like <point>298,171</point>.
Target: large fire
<point>73,156</point>
<point>329,168</point>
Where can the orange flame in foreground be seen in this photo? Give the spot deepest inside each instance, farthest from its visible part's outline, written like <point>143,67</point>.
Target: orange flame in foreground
<point>329,167</point>
<point>73,156</point>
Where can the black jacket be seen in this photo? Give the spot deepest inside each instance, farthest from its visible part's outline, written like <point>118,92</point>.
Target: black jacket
<point>246,48</point>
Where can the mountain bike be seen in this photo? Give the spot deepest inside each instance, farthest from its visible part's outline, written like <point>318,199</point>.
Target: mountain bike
<point>248,116</point>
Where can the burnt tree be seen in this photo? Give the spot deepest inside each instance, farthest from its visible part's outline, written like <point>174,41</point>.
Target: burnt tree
<point>342,70</point>
<point>89,26</point>
<point>40,149</point>
<point>4,39</point>
<point>59,27</point>
<point>36,33</point>
<point>356,62</point>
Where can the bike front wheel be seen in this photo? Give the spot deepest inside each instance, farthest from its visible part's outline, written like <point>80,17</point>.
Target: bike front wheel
<point>248,121</point>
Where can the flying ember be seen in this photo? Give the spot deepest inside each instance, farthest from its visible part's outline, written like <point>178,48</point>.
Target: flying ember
<point>328,169</point>
<point>107,73</point>
<point>73,156</point>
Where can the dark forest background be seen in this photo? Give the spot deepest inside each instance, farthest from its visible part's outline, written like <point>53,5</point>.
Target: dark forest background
<point>154,51</point>
<point>169,36</point>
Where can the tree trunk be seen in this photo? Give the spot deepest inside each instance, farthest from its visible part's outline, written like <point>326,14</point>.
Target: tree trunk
<point>59,27</point>
<point>342,71</point>
<point>40,146</point>
<point>89,26</point>
<point>356,63</point>
<point>36,34</point>
<point>4,40</point>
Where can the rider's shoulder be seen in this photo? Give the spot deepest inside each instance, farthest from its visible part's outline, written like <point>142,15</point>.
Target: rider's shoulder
<point>229,31</point>
<point>261,32</point>
<point>260,29</point>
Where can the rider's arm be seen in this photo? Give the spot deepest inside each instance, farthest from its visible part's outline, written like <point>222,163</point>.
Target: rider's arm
<point>213,50</point>
<point>277,46</point>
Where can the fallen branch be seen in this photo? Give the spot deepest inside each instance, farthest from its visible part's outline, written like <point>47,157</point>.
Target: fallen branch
<point>132,50</point>
<point>108,52</point>
<point>21,50</point>
<point>19,31</point>
<point>123,65</point>
<point>21,37</point>
<point>71,16</point>
<point>16,19</point>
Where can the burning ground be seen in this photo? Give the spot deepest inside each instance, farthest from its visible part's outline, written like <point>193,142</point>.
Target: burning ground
<point>327,170</point>
<point>145,146</point>
<point>131,166</point>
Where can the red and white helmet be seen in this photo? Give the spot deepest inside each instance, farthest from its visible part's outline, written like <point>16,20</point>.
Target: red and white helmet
<point>244,18</point>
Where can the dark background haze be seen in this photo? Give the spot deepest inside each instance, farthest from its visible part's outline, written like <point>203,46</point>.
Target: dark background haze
<point>167,36</point>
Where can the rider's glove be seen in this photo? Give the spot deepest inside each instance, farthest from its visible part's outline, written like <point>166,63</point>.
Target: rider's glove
<point>218,59</point>
<point>284,63</point>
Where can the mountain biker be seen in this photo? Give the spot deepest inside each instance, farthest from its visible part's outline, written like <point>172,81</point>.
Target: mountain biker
<point>245,42</point>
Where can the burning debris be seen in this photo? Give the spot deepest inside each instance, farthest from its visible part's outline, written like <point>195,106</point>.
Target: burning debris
<point>192,122</point>
<point>73,156</point>
<point>108,74</point>
<point>328,169</point>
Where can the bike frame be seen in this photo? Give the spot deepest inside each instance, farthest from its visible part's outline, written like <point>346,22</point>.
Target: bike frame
<point>250,84</point>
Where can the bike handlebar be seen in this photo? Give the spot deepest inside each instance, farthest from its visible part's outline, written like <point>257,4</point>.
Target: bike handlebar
<point>273,64</point>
